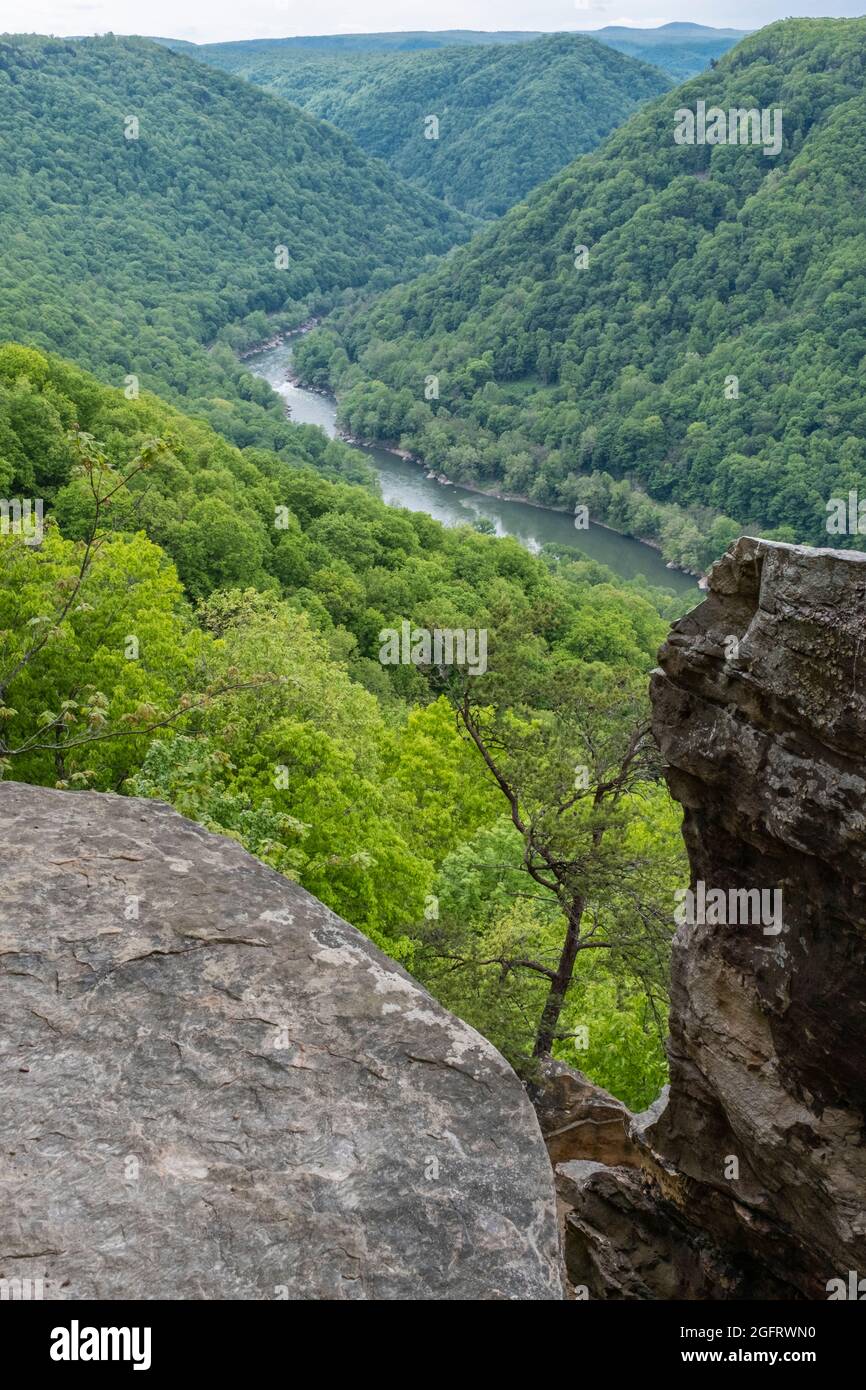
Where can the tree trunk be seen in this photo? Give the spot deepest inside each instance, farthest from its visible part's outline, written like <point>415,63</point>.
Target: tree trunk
<point>549,1021</point>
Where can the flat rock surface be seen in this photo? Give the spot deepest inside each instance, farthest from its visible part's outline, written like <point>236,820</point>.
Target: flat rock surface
<point>214,1088</point>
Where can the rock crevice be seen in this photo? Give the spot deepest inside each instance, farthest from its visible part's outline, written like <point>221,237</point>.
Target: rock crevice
<point>212,1087</point>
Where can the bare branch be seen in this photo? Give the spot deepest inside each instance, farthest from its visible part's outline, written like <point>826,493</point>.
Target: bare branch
<point>66,744</point>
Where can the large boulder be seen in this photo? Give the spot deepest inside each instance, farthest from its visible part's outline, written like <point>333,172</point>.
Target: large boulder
<point>213,1088</point>
<point>753,1176</point>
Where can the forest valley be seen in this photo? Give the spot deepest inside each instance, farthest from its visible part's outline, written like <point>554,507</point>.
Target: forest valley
<point>438,810</point>
<point>502,831</point>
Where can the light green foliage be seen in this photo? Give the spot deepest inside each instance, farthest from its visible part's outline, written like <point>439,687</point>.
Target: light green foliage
<point>437,772</point>
<point>133,592</point>
<point>487,914</point>
<point>322,735</point>
<point>257,703</point>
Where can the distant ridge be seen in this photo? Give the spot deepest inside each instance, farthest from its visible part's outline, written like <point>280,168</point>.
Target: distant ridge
<point>507,115</point>
<point>680,48</point>
<point>132,253</point>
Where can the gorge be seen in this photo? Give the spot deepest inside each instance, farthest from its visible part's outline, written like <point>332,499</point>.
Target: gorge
<point>402,900</point>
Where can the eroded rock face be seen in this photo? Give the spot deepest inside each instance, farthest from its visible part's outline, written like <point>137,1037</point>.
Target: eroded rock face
<point>579,1118</point>
<point>760,712</point>
<point>212,1087</point>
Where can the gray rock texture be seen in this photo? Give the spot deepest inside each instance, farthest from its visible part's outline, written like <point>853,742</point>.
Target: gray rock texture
<point>760,713</point>
<point>213,1088</point>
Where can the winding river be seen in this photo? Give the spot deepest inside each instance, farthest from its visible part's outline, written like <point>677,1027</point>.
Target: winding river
<point>405,484</point>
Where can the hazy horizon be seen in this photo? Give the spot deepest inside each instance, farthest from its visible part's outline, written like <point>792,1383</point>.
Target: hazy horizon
<point>215,21</point>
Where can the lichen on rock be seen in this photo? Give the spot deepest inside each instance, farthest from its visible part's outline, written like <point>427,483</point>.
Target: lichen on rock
<point>214,1088</point>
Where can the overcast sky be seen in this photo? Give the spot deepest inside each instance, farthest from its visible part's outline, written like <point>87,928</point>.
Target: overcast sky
<point>205,21</point>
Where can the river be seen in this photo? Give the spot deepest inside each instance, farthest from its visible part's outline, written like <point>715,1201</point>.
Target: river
<point>405,484</point>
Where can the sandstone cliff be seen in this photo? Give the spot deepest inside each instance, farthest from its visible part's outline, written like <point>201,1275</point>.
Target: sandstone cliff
<point>211,1087</point>
<point>749,1178</point>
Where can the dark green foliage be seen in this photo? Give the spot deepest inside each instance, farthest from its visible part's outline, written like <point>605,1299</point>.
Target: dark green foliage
<point>133,255</point>
<point>705,262</point>
<point>509,115</point>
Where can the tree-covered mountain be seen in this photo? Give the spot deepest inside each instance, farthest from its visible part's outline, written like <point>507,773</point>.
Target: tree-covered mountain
<point>152,207</point>
<point>704,351</point>
<point>680,49</point>
<point>204,624</point>
<point>476,125</point>
<point>396,41</point>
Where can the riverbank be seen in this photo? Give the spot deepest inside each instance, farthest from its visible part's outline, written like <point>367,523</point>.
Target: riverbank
<point>407,481</point>
<point>279,339</point>
<point>390,447</point>
<point>445,481</point>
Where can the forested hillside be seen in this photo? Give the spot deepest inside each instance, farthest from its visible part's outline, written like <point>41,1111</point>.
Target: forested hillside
<point>508,115</point>
<point>204,624</point>
<point>680,49</point>
<point>703,352</point>
<point>151,206</point>
<point>397,41</point>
